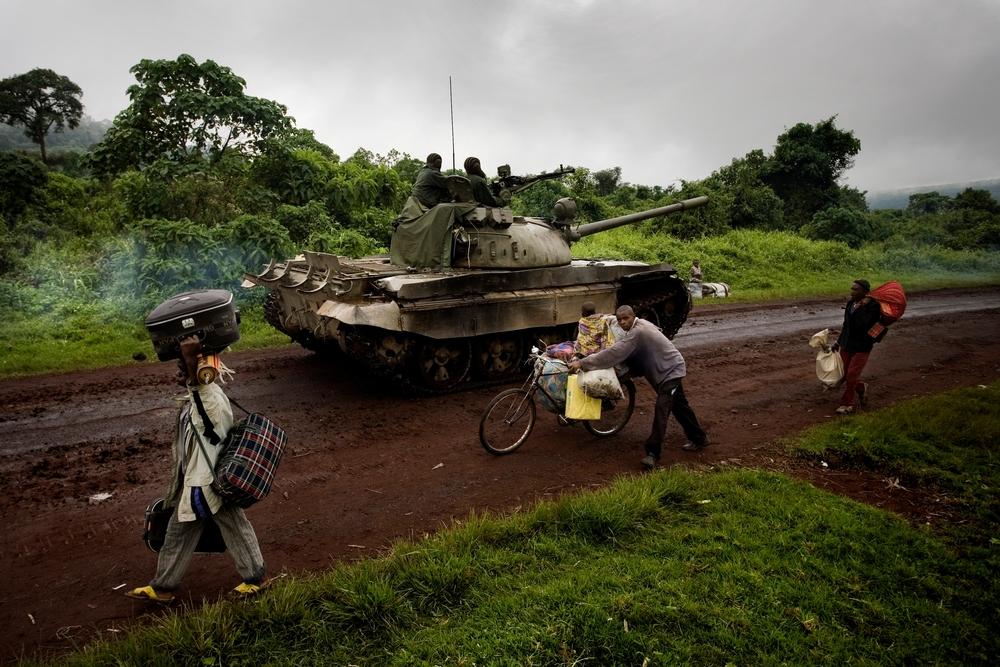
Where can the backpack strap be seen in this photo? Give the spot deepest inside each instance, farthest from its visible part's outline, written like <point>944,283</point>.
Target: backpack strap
<point>213,437</point>
<point>201,443</point>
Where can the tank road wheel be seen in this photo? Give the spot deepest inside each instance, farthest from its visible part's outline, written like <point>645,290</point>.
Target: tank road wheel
<point>497,357</point>
<point>391,350</point>
<point>272,312</point>
<point>649,314</point>
<point>442,365</point>
<point>674,310</point>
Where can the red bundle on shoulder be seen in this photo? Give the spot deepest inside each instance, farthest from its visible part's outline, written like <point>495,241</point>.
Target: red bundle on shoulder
<point>892,302</point>
<point>891,299</point>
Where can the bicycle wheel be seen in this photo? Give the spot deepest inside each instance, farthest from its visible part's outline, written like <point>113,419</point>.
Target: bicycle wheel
<point>614,414</point>
<point>507,421</point>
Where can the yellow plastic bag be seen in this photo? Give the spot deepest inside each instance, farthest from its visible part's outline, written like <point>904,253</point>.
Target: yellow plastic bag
<point>578,404</point>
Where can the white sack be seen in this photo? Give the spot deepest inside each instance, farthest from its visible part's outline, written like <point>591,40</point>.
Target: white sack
<point>829,368</point>
<point>829,365</point>
<point>601,384</point>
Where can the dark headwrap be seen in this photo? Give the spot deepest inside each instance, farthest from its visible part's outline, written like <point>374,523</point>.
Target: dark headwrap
<point>864,284</point>
<point>472,166</point>
<point>432,158</point>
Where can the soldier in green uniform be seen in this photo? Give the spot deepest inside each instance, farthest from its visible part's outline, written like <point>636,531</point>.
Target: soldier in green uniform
<point>431,186</point>
<point>480,189</point>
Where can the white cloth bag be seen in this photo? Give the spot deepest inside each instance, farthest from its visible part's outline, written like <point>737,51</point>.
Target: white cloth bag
<point>829,365</point>
<point>601,384</point>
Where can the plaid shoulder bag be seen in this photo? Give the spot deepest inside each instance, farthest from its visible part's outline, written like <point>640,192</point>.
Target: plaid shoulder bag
<point>248,459</point>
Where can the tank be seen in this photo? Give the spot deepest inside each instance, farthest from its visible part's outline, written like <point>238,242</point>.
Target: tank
<point>466,290</point>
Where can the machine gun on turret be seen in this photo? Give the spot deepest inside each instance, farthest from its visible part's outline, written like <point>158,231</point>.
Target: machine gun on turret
<point>507,185</point>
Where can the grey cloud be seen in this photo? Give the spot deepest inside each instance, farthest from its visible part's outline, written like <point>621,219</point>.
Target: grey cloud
<point>666,90</point>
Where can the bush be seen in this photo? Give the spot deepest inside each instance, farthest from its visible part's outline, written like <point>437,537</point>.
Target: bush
<point>848,225</point>
<point>21,178</point>
<point>346,242</point>
<point>249,241</point>
<point>301,222</point>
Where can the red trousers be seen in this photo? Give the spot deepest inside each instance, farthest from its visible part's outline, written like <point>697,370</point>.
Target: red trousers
<point>854,363</point>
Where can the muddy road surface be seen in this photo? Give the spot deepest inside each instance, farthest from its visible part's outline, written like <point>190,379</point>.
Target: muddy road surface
<point>366,466</point>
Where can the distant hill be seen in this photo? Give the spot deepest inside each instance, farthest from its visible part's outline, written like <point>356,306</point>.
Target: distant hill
<point>83,137</point>
<point>900,198</point>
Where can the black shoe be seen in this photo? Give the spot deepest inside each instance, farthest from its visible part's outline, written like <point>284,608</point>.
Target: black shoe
<point>690,446</point>
<point>650,462</point>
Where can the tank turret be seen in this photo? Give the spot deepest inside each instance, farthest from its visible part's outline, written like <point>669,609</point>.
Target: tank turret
<point>466,290</point>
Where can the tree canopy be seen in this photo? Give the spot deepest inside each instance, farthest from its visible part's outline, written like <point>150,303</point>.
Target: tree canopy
<point>807,162</point>
<point>183,111</point>
<point>40,100</point>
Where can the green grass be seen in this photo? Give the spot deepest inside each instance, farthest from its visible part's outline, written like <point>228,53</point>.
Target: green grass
<point>86,336</point>
<point>64,316</point>
<point>680,567</point>
<point>771,265</point>
<point>947,442</point>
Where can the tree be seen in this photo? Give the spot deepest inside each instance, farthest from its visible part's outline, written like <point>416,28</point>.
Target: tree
<point>21,180</point>
<point>806,165</point>
<point>607,180</point>
<point>975,199</point>
<point>927,203</point>
<point>182,112</point>
<point>755,205</point>
<point>39,100</point>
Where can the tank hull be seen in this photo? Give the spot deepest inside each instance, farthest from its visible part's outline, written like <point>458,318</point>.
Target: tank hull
<point>439,331</point>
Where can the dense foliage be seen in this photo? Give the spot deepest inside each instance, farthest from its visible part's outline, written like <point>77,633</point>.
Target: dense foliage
<point>195,182</point>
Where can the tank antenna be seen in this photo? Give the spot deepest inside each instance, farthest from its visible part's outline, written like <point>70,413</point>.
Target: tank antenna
<point>451,105</point>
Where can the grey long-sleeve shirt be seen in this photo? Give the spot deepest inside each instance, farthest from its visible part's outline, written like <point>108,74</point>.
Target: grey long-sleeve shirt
<point>646,351</point>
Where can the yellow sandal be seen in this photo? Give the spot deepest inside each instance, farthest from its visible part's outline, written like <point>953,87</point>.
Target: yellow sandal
<point>151,594</point>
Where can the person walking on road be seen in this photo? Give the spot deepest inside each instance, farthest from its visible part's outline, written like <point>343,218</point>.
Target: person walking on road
<point>206,409</point>
<point>855,344</point>
<point>649,353</point>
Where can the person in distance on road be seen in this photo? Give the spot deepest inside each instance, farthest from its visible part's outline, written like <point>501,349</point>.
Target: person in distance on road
<point>648,352</point>
<point>207,409</point>
<point>855,344</point>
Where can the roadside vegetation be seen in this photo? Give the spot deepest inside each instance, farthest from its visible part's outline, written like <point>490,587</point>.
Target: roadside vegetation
<point>679,567</point>
<point>196,182</point>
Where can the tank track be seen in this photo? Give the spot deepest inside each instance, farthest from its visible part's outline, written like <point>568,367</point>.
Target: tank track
<point>669,323</point>
<point>361,347</point>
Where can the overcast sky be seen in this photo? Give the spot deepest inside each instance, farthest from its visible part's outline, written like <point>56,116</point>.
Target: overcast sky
<point>664,89</point>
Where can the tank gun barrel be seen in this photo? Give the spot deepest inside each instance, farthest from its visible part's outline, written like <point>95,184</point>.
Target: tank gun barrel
<point>603,225</point>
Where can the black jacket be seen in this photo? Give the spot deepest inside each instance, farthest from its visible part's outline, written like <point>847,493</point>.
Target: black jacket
<point>858,319</point>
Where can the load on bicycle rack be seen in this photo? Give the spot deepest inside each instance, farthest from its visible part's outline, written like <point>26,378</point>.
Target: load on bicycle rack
<point>510,416</point>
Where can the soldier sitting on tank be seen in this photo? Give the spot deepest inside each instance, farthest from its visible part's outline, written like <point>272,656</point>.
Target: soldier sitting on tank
<point>480,189</point>
<point>431,186</point>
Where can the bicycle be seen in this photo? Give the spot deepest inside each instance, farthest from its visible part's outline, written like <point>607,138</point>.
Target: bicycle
<point>510,415</point>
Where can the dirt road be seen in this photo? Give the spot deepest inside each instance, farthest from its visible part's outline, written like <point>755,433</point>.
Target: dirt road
<point>367,466</point>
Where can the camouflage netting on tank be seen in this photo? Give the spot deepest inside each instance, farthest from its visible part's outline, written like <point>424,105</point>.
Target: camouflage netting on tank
<point>423,238</point>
